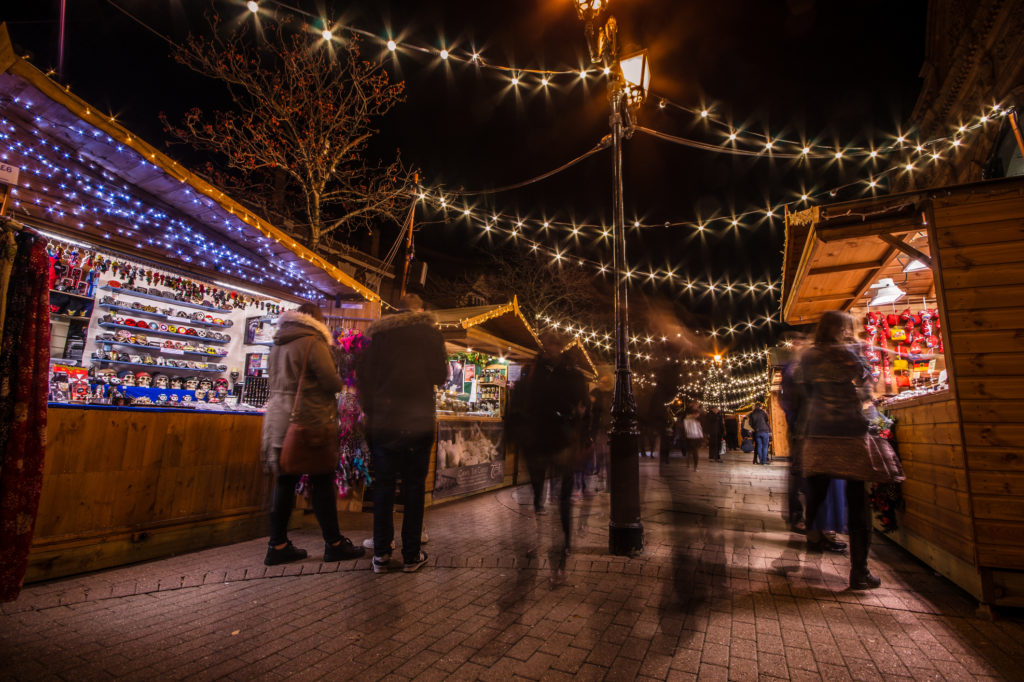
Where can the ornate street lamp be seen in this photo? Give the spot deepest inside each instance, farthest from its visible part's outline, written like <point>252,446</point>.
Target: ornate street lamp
<point>630,78</point>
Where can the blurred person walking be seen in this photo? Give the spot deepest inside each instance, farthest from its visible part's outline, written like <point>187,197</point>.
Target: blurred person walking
<point>789,399</point>
<point>304,383</point>
<point>693,432</point>
<point>833,382</point>
<point>545,413</point>
<point>397,371</point>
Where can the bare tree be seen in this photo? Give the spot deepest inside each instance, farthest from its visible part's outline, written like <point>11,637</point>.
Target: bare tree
<point>303,116</point>
<point>559,291</point>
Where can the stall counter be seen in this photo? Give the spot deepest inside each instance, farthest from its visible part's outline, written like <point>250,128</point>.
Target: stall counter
<point>122,485</point>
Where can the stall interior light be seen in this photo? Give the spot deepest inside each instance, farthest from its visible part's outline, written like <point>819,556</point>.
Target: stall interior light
<point>915,266</point>
<point>886,292</point>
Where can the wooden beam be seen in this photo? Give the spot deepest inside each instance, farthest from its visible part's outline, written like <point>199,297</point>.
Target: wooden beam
<point>869,280</point>
<point>845,267</point>
<point>906,248</point>
<point>831,234</point>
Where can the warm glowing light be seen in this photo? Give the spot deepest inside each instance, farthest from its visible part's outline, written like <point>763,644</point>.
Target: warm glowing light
<point>515,81</point>
<point>392,45</point>
<point>636,223</point>
<point>544,81</point>
<point>607,70</point>
<point>873,154</point>
<point>805,151</point>
<point>476,56</point>
<point>769,144</point>
<point>839,155</point>
<point>253,6</point>
<point>803,197</point>
<point>327,35</point>
<point>956,143</point>
<point>732,137</point>
<point>444,54</point>
<point>703,113</point>
<point>909,167</point>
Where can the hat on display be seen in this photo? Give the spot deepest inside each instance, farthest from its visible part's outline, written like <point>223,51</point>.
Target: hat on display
<point>192,383</point>
<point>161,381</point>
<point>128,378</point>
<point>143,379</point>
<point>176,382</point>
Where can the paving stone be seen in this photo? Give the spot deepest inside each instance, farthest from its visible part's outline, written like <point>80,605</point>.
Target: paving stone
<point>726,595</point>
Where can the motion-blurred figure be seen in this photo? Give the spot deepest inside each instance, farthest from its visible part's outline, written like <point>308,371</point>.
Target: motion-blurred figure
<point>833,381</point>
<point>545,413</point>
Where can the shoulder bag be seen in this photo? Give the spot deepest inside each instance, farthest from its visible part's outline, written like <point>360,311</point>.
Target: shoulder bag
<point>308,449</point>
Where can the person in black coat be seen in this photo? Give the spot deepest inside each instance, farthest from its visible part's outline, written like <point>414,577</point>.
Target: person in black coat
<point>397,372</point>
<point>716,431</point>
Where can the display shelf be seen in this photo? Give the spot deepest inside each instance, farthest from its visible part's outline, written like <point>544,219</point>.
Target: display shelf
<point>167,299</point>
<point>158,332</point>
<point>161,349</point>
<point>70,318</point>
<point>72,294</point>
<point>162,316</point>
<point>159,368</point>
<point>260,343</point>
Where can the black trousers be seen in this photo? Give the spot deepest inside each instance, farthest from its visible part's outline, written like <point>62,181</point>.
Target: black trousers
<point>858,517</point>
<point>325,506</point>
<point>394,455</point>
<point>539,468</point>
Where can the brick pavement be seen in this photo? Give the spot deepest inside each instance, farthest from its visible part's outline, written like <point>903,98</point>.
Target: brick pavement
<point>721,592</point>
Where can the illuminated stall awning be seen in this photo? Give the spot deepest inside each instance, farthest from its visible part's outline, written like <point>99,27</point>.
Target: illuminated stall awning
<point>501,330</point>
<point>581,358</point>
<point>83,174</point>
<point>835,254</point>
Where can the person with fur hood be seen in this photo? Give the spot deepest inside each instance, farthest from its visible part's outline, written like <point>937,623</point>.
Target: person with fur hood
<point>301,331</point>
<point>397,371</point>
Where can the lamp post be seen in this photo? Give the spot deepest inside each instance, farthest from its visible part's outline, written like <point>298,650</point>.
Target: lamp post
<point>629,79</point>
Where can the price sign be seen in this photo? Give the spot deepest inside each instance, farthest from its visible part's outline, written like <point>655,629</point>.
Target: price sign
<point>9,174</point>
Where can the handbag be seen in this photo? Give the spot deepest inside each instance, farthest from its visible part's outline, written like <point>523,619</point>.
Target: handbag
<point>868,458</point>
<point>308,449</point>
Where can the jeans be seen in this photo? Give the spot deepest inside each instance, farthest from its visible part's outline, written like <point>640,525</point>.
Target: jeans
<point>858,513</point>
<point>761,441</point>
<point>325,506</point>
<point>397,454</point>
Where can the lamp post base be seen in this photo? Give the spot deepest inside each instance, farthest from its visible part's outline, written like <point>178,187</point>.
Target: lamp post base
<point>625,539</point>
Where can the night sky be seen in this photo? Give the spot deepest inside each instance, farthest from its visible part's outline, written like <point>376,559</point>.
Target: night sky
<point>825,71</point>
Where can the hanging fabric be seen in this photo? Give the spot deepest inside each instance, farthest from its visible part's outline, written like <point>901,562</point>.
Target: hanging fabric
<point>24,368</point>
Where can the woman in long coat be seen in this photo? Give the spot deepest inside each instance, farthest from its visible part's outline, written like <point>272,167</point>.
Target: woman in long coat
<point>302,333</point>
<point>834,382</point>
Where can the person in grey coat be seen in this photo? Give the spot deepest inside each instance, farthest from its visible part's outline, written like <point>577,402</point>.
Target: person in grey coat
<point>298,331</point>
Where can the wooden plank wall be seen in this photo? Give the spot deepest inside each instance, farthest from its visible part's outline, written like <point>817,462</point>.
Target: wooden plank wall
<point>131,473</point>
<point>980,248</point>
<point>935,492</point>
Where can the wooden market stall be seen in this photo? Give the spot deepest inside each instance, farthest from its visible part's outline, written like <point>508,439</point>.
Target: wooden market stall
<point>581,359</point>
<point>959,439</point>
<point>487,346</point>
<point>123,482</point>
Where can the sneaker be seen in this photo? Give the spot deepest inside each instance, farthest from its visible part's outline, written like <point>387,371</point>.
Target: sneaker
<point>343,551</point>
<point>867,581</point>
<point>284,555</point>
<point>368,544</point>
<point>411,566</point>
<point>382,564</point>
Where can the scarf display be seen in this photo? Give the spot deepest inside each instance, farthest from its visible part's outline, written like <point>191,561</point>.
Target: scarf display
<point>24,368</point>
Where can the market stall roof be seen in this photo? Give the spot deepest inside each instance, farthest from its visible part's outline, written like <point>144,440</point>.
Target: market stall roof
<point>581,358</point>
<point>501,329</point>
<point>83,173</point>
<point>835,253</point>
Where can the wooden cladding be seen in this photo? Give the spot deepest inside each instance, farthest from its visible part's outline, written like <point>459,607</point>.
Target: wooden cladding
<point>117,473</point>
<point>936,489</point>
<point>979,244</point>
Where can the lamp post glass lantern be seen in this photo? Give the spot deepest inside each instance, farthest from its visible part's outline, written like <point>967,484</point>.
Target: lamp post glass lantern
<point>630,78</point>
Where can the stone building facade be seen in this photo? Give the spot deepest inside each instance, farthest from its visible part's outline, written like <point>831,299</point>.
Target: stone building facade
<point>974,59</point>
